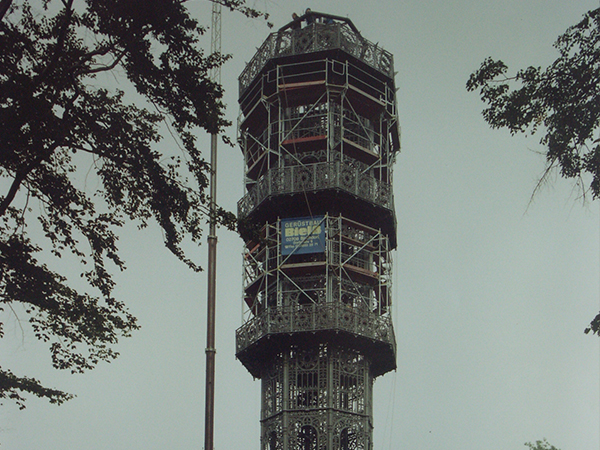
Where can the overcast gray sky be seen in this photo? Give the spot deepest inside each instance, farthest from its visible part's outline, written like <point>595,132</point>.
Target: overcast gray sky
<point>492,292</point>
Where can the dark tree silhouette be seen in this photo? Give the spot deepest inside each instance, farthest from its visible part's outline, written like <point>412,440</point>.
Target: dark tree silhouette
<point>55,121</point>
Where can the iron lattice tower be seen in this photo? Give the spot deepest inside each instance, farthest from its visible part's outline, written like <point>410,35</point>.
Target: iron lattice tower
<point>319,134</point>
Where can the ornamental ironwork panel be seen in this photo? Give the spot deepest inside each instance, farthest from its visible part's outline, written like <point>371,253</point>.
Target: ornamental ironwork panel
<point>317,398</point>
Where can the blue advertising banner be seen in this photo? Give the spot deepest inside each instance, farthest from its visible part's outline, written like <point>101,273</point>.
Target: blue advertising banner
<point>302,235</point>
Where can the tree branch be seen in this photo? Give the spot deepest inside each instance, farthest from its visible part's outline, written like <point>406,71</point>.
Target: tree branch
<point>12,192</point>
<point>111,66</point>
<point>60,41</point>
<point>4,7</point>
<point>21,175</point>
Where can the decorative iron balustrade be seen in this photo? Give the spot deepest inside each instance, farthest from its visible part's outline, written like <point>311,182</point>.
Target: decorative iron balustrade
<point>313,38</point>
<point>315,177</point>
<point>316,317</point>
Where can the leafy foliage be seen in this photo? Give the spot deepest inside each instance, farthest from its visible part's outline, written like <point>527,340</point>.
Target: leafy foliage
<point>560,102</point>
<point>540,445</point>
<point>12,386</point>
<point>59,123</point>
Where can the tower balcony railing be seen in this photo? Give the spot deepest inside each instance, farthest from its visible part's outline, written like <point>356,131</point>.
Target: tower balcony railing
<point>314,38</point>
<point>313,318</point>
<point>315,177</point>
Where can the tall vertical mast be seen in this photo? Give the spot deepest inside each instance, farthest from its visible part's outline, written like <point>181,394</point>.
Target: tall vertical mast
<point>209,418</point>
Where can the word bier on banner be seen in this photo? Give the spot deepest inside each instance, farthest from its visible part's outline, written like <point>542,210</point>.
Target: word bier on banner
<point>303,235</point>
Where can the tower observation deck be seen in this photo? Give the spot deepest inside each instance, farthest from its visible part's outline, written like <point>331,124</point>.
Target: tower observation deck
<point>319,134</point>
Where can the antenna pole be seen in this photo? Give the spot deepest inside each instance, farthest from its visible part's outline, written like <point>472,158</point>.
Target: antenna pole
<point>209,417</point>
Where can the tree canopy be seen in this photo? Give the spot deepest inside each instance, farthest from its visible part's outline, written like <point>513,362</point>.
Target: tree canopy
<point>561,103</point>
<point>59,122</point>
<point>540,445</point>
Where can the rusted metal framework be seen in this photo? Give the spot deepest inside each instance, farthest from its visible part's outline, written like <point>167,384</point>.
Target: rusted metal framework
<point>319,133</point>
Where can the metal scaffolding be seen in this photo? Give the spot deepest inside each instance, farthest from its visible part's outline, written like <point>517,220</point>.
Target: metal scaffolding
<point>319,132</point>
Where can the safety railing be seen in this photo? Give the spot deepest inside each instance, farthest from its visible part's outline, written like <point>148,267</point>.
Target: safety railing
<point>313,38</point>
<point>316,317</point>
